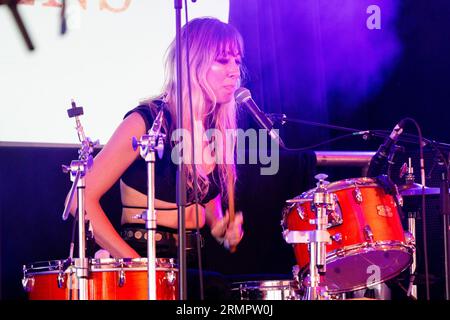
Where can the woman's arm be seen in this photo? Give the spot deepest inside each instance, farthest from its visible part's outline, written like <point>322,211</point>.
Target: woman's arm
<point>111,162</point>
<point>226,232</point>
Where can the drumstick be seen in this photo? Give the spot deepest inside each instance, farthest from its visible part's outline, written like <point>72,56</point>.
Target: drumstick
<point>231,202</point>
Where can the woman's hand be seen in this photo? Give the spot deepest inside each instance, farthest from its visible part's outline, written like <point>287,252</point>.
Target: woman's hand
<point>229,233</point>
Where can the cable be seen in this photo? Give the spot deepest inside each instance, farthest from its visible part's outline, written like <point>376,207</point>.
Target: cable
<point>320,143</point>
<point>424,221</point>
<point>196,200</point>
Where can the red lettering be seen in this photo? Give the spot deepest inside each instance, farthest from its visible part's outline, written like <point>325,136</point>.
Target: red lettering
<point>57,4</point>
<point>105,5</point>
<point>52,3</point>
<point>30,2</point>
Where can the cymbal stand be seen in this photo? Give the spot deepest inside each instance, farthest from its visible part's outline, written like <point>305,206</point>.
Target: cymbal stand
<point>412,216</point>
<point>149,143</point>
<point>445,211</point>
<point>78,169</point>
<point>323,204</point>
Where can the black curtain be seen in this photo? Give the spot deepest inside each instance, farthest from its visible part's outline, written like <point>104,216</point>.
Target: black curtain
<point>340,62</point>
<point>276,75</point>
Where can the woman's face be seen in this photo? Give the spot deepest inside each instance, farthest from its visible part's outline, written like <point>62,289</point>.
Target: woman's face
<point>223,76</point>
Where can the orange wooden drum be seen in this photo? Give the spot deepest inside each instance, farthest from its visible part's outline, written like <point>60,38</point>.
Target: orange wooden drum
<point>368,245</point>
<point>109,279</point>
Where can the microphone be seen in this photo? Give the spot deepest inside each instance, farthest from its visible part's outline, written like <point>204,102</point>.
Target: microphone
<point>63,25</point>
<point>380,160</point>
<point>244,97</point>
<point>155,130</point>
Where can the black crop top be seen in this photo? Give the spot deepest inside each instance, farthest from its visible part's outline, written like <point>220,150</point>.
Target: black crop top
<point>165,170</point>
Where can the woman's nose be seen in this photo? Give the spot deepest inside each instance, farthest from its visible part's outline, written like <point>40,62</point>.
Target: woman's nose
<point>234,70</point>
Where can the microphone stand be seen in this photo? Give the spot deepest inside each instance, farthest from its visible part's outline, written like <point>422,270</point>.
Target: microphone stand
<point>78,169</point>
<point>405,137</point>
<point>149,143</point>
<point>12,5</point>
<point>181,177</point>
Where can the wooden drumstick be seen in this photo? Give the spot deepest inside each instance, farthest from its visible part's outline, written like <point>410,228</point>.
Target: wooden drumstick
<point>231,211</point>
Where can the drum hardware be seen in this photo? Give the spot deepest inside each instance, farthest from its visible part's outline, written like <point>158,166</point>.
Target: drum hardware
<point>368,234</point>
<point>301,213</point>
<point>170,277</point>
<point>357,194</point>
<point>122,278</point>
<point>27,282</point>
<point>150,143</point>
<point>335,216</point>
<point>352,250</point>
<point>78,169</point>
<point>408,172</point>
<point>60,279</point>
<point>298,200</point>
<point>337,237</point>
<point>323,204</point>
<point>398,196</point>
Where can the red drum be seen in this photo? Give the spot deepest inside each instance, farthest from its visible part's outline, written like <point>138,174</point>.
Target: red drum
<point>368,244</point>
<point>109,279</point>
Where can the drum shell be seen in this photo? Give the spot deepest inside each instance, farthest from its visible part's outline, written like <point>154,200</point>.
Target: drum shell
<point>107,280</point>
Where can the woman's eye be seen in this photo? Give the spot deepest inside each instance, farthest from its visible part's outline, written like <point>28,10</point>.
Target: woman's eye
<point>222,61</point>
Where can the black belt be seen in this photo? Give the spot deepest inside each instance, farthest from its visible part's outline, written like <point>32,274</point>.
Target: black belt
<point>164,238</point>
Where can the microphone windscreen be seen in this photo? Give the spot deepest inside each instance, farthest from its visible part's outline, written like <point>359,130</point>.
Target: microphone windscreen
<point>242,94</point>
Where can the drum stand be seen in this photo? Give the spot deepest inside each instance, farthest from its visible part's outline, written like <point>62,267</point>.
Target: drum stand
<point>412,216</point>
<point>78,169</point>
<point>323,203</point>
<point>149,143</point>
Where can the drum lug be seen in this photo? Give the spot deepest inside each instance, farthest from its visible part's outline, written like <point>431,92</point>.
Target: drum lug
<point>337,237</point>
<point>28,283</point>
<point>409,238</point>
<point>60,280</point>
<point>170,276</point>
<point>357,194</point>
<point>301,212</point>
<point>122,277</point>
<point>368,234</point>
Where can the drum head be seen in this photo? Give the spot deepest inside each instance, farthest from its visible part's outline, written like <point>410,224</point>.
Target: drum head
<point>364,267</point>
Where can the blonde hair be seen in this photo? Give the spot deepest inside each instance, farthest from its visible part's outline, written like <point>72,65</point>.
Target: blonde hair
<point>208,38</point>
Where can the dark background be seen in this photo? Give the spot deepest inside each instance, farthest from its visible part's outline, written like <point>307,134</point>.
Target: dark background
<point>308,59</point>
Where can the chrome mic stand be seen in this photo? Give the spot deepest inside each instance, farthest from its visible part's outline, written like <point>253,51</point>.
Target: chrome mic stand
<point>412,216</point>
<point>149,143</point>
<point>323,204</point>
<point>78,169</point>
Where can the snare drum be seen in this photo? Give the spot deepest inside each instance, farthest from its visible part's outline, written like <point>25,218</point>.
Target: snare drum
<point>266,290</point>
<point>368,241</point>
<point>108,279</point>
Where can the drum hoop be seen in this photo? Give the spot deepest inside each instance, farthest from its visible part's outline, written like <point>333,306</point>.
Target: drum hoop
<point>364,248</point>
<point>363,182</point>
<point>130,263</point>
<point>259,284</point>
<point>367,247</point>
<point>110,264</point>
